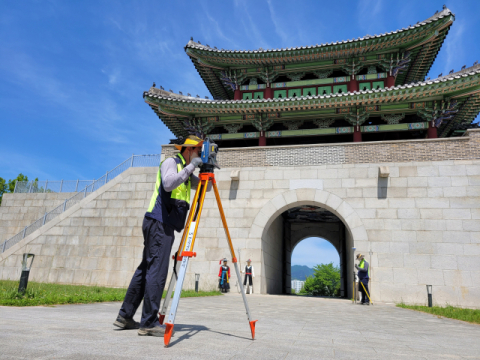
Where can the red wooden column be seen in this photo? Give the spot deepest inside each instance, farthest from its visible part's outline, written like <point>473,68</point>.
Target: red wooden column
<point>262,141</point>
<point>432,131</point>
<point>357,135</point>
<point>352,85</point>
<point>390,81</point>
<point>237,95</point>
<point>268,94</point>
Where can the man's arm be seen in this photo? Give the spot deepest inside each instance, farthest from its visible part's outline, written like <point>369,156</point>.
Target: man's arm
<point>170,178</point>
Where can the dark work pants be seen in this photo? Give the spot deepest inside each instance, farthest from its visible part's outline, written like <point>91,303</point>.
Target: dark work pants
<point>149,279</point>
<point>362,291</point>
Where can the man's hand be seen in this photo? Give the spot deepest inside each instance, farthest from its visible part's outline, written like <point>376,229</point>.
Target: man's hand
<point>356,266</point>
<point>196,161</point>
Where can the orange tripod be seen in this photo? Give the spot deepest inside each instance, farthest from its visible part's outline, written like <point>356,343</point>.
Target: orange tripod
<point>185,252</point>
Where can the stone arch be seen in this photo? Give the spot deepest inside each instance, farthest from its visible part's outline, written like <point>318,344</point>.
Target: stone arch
<point>266,227</point>
<point>314,197</point>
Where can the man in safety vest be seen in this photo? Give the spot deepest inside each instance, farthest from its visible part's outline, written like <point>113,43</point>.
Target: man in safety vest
<point>363,276</point>
<point>167,213</point>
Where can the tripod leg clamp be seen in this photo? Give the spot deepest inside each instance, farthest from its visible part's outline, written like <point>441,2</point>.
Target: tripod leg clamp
<point>189,254</point>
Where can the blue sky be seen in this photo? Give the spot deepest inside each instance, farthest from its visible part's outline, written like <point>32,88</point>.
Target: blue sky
<point>314,251</point>
<point>73,72</point>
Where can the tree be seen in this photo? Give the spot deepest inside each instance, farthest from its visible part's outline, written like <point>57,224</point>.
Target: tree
<point>9,187</point>
<point>324,282</point>
<point>3,188</point>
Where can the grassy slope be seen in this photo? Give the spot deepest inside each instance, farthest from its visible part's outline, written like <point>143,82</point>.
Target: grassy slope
<point>469,315</point>
<point>54,294</point>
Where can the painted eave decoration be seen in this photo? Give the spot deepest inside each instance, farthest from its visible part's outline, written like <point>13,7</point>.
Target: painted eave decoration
<point>462,86</point>
<point>423,40</point>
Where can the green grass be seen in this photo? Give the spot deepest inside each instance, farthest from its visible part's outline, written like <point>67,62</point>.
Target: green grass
<point>469,315</point>
<point>55,294</point>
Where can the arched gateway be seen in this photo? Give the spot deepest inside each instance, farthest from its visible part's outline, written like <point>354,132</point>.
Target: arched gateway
<point>279,235</point>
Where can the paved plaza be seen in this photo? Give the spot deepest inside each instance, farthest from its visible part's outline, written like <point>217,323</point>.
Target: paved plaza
<point>289,327</point>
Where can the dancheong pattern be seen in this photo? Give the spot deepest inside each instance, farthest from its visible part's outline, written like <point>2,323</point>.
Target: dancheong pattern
<point>250,135</point>
<point>273,115</point>
<point>370,128</point>
<point>417,126</point>
<point>417,105</point>
<point>274,134</point>
<point>343,130</point>
<point>372,108</point>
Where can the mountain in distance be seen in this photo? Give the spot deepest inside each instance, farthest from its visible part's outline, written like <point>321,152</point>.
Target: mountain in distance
<point>300,272</point>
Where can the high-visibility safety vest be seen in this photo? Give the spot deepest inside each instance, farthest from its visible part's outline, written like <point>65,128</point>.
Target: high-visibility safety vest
<point>362,265</point>
<point>171,208</point>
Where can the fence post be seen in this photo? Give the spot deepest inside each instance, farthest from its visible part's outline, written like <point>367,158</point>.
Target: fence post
<point>44,218</point>
<point>24,231</point>
<point>61,185</point>
<point>46,184</point>
<point>106,177</point>
<point>64,205</point>
<point>76,186</point>
<point>30,189</point>
<point>14,190</point>
<point>85,192</point>
<point>131,163</point>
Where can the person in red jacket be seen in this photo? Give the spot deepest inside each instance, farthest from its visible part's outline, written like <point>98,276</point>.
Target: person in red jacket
<point>224,277</point>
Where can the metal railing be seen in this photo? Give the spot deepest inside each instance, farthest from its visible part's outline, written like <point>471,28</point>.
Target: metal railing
<point>48,186</point>
<point>133,161</point>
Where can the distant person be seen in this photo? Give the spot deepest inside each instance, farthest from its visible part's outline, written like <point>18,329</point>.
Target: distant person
<point>249,275</point>
<point>224,277</point>
<point>363,276</point>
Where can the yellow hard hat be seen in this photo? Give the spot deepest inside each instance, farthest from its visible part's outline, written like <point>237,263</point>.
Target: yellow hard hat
<point>190,141</point>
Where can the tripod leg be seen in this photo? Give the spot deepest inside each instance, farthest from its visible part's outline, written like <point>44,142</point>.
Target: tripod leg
<point>163,311</point>
<point>234,259</point>
<point>166,301</point>
<point>186,253</point>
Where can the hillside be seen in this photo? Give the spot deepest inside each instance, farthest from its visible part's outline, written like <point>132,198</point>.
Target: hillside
<point>300,272</point>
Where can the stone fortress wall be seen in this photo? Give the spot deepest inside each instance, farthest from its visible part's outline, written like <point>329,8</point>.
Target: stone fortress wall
<point>421,225</point>
<point>20,210</point>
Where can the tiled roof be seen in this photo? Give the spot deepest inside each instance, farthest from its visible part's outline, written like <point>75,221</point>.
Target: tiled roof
<point>439,15</point>
<point>162,94</point>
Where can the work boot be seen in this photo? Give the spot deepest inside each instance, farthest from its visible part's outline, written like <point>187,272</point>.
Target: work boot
<point>126,324</point>
<point>157,330</point>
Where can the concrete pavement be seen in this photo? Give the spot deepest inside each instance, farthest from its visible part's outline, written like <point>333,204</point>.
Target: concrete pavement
<point>289,327</point>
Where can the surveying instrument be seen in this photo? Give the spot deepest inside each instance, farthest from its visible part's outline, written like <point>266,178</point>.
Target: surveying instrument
<point>185,250</point>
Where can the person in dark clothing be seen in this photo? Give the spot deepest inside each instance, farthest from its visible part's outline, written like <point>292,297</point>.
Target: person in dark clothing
<point>363,276</point>
<point>249,275</point>
<point>224,277</point>
<point>167,213</point>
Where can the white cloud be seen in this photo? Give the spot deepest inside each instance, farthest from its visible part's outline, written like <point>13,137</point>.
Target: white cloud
<point>286,41</point>
<point>369,16</point>
<point>454,48</point>
<point>250,27</point>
